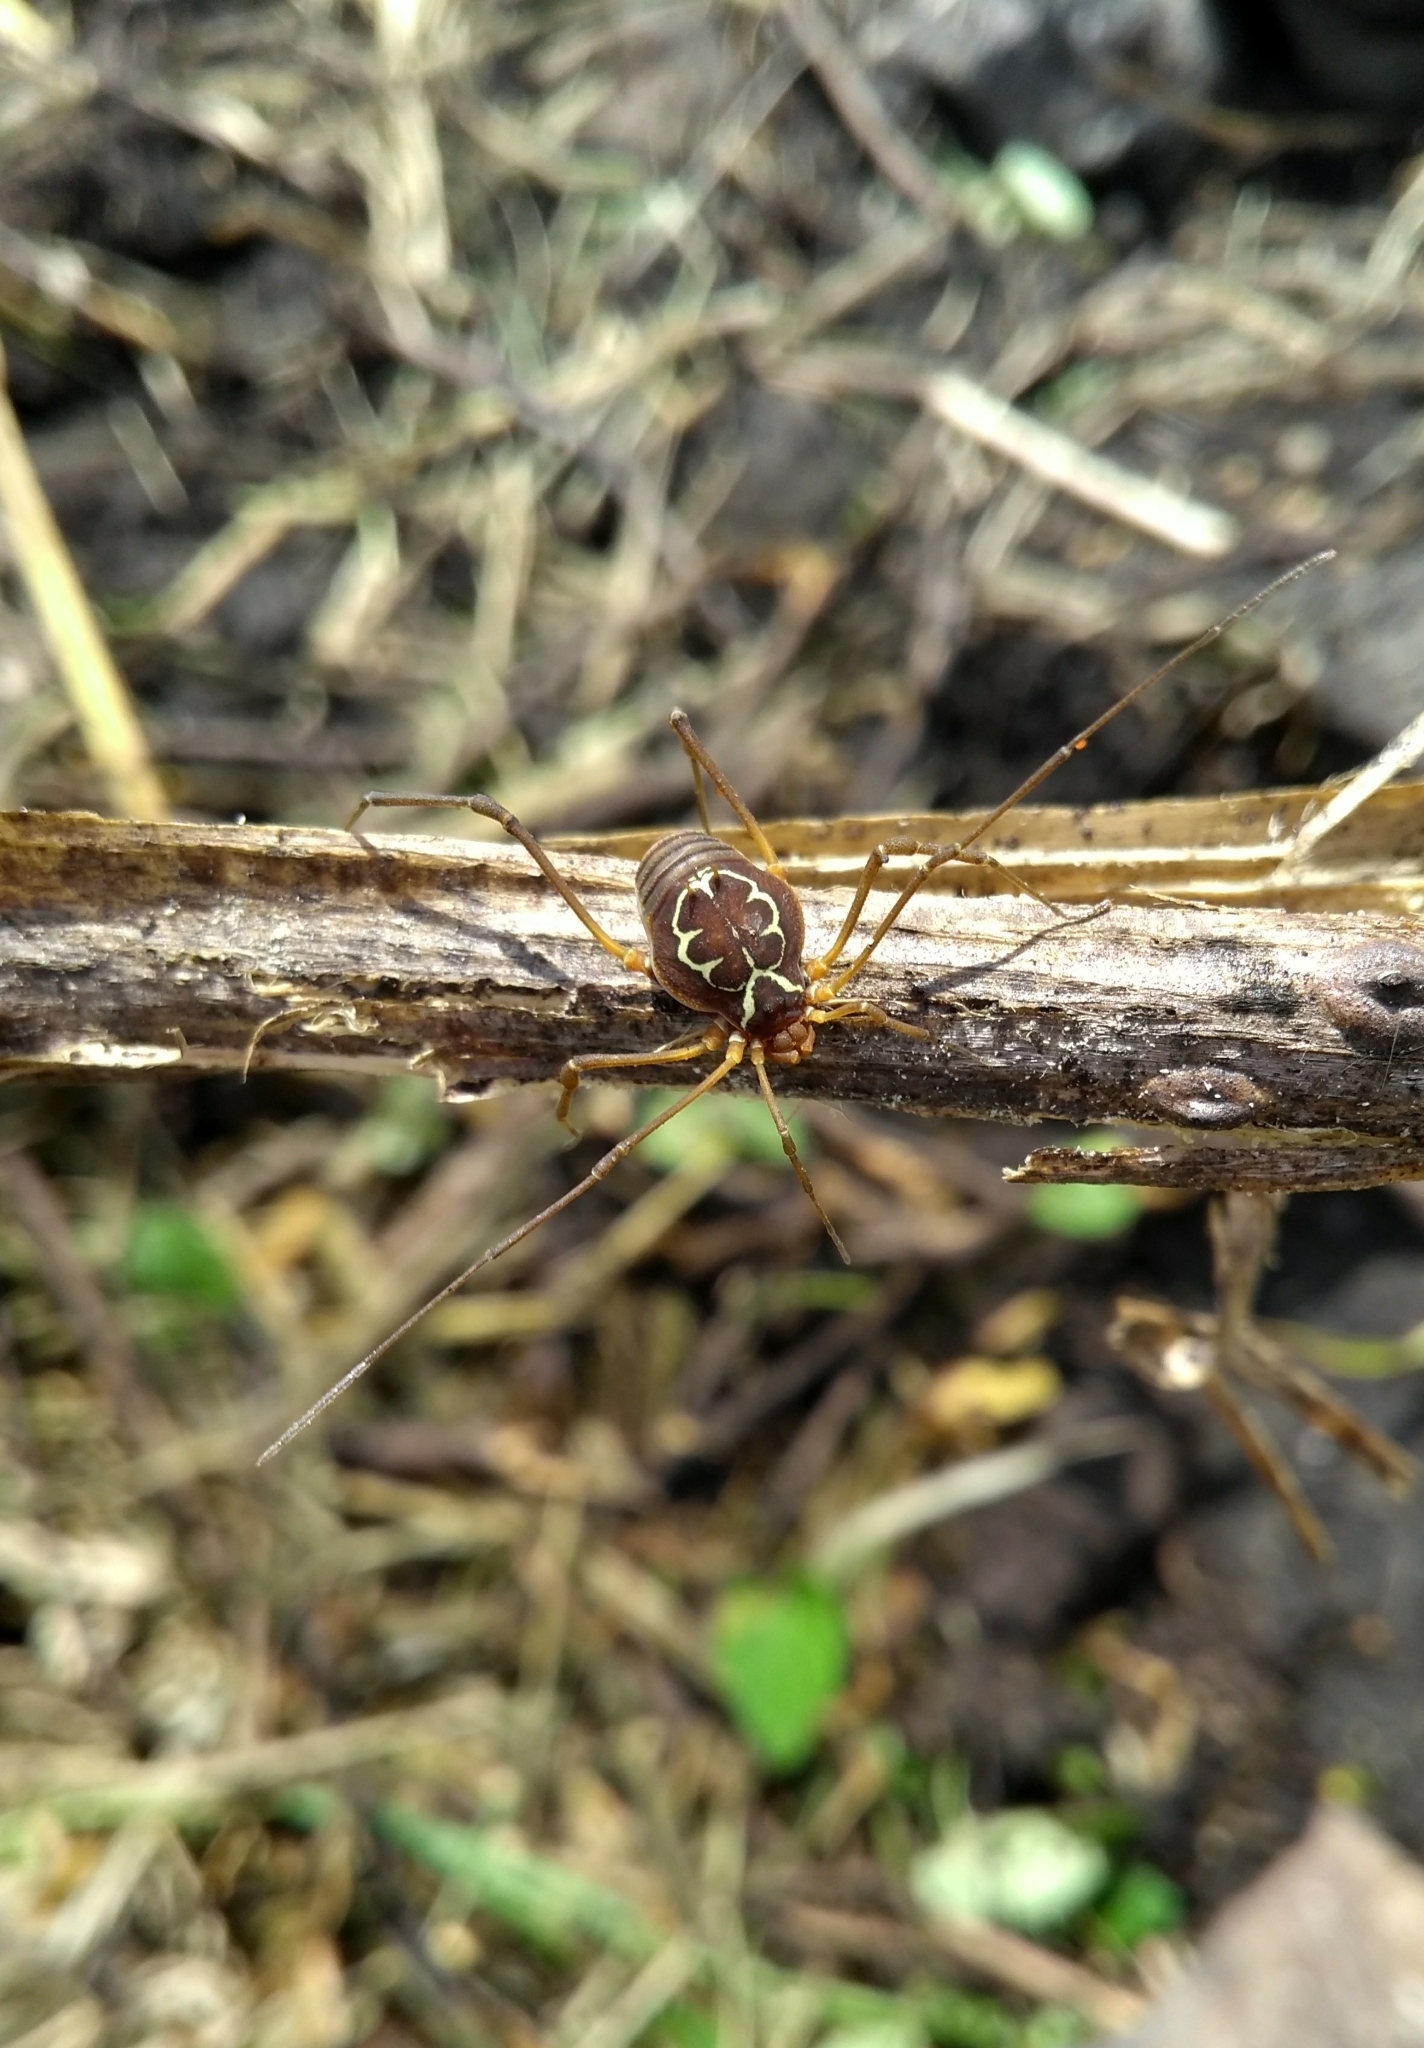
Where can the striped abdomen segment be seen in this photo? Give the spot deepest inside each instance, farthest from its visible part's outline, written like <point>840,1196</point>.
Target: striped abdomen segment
<point>725,937</point>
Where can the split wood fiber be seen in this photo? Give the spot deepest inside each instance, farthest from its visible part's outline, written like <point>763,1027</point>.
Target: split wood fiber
<point>1259,1007</point>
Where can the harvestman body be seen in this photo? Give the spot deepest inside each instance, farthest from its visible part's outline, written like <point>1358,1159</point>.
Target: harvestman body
<point>725,939</point>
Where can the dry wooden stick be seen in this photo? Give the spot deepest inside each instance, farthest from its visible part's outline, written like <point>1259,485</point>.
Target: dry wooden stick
<point>1175,1350</point>
<point>140,949</point>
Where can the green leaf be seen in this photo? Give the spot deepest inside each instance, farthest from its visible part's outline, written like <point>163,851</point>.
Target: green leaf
<point>1022,1868</point>
<point>308,1807</point>
<point>739,1123</point>
<point>1115,1823</point>
<point>983,199</point>
<point>1141,1901</point>
<point>1354,1358</point>
<point>1081,388</point>
<point>169,1252</point>
<point>1050,197</point>
<point>1055,2026</point>
<point>683,2026</point>
<point>780,1655</point>
<point>1080,1771</point>
<point>886,2033</point>
<point>559,1911</point>
<point>1083,1209</point>
<point>807,1288</point>
<point>948,1790</point>
<point>952,2018</point>
<point>405,1127</point>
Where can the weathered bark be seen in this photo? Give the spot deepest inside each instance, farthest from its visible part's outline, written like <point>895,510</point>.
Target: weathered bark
<point>137,949</point>
<point>1313,1163</point>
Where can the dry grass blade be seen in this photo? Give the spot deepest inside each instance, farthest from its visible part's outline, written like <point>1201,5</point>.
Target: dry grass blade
<point>26,30</point>
<point>879,1524</point>
<point>1403,752</point>
<point>102,705</point>
<point>93,1790</point>
<point>1314,1162</point>
<point>864,113</point>
<point>1053,457</point>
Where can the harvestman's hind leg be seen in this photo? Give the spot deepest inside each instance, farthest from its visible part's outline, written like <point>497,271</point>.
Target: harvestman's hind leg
<point>631,957</point>
<point>714,1040</point>
<point>703,764</point>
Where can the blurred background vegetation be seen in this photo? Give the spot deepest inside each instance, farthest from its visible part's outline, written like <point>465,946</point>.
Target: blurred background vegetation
<point>432,394</point>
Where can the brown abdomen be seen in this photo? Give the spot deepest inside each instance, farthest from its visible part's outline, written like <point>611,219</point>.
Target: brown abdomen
<point>725,937</point>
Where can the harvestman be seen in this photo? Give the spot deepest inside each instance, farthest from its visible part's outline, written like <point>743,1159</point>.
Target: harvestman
<point>724,937</point>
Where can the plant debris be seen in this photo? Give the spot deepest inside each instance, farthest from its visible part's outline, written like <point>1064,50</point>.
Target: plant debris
<point>430,398</point>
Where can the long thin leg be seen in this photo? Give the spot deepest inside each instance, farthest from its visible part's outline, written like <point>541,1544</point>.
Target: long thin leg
<point>290,1014</point>
<point>600,1171</point>
<point>962,851</point>
<point>699,791</point>
<point>713,1039</point>
<point>939,857</point>
<point>631,957</point>
<point>1080,740</point>
<point>788,1144</point>
<point>874,862</point>
<point>702,763</point>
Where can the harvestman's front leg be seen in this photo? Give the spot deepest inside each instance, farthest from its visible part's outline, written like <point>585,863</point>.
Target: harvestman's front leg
<point>631,957</point>
<point>937,856</point>
<point>941,855</point>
